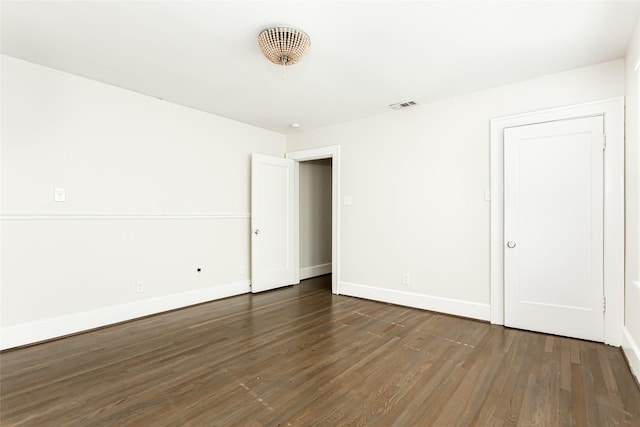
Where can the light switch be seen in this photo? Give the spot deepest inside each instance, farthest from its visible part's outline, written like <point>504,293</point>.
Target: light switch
<point>347,200</point>
<point>487,195</point>
<point>60,195</point>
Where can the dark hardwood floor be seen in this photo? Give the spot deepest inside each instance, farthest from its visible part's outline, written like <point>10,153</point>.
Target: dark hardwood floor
<point>300,356</point>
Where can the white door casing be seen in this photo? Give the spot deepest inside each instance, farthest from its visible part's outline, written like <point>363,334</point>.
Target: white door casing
<point>553,227</point>
<point>328,152</point>
<point>273,257</point>
<point>612,110</point>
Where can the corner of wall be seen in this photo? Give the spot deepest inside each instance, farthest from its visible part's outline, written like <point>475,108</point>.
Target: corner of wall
<point>631,329</point>
<point>631,351</point>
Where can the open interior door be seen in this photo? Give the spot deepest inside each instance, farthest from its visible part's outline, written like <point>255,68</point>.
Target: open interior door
<point>273,257</point>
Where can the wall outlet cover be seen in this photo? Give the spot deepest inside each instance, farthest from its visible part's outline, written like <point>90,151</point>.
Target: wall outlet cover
<point>60,195</point>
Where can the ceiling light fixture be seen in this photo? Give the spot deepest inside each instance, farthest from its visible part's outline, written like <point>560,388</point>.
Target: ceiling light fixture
<point>283,45</point>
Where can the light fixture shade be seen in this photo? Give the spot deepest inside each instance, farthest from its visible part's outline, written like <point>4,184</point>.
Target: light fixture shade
<point>283,45</point>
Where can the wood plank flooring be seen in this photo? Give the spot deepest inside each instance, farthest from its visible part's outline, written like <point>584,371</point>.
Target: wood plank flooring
<point>300,356</point>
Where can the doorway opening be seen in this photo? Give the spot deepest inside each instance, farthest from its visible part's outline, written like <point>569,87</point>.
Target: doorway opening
<point>327,154</point>
<point>314,195</point>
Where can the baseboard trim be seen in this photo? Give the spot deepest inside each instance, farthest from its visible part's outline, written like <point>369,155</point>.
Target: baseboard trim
<point>632,352</point>
<point>456,307</point>
<point>34,332</point>
<point>315,270</point>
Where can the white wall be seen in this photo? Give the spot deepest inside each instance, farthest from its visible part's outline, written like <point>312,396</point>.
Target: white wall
<point>154,191</point>
<point>315,218</point>
<point>417,179</point>
<point>631,340</point>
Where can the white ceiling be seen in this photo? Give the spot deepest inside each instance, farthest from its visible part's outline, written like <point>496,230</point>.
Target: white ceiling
<point>363,57</point>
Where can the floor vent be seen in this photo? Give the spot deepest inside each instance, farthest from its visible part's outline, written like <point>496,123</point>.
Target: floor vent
<point>402,105</point>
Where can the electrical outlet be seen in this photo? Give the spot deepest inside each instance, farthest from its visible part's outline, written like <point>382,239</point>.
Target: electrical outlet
<point>60,195</point>
<point>405,279</point>
<point>140,286</point>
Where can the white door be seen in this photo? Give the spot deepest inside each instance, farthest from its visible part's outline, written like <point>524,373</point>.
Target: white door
<point>553,227</point>
<point>272,223</point>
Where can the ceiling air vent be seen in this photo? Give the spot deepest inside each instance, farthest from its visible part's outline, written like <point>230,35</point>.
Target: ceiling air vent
<point>402,105</point>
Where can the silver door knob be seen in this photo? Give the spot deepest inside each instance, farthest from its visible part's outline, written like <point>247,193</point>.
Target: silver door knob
<point>511,244</point>
<point>257,231</point>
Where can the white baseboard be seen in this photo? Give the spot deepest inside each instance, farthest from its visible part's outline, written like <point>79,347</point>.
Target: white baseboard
<point>456,307</point>
<point>632,352</point>
<point>314,270</point>
<point>29,333</point>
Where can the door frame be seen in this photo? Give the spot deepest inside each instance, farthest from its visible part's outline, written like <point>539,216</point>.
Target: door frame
<point>612,111</point>
<point>330,152</point>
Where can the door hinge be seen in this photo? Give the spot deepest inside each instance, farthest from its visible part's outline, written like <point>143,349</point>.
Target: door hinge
<point>604,304</point>
<point>604,142</point>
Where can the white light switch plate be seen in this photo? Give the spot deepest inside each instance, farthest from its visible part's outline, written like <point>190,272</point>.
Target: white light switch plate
<point>347,200</point>
<point>60,195</point>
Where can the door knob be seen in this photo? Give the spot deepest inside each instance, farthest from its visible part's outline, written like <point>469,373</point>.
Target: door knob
<point>511,244</point>
<point>257,231</point>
